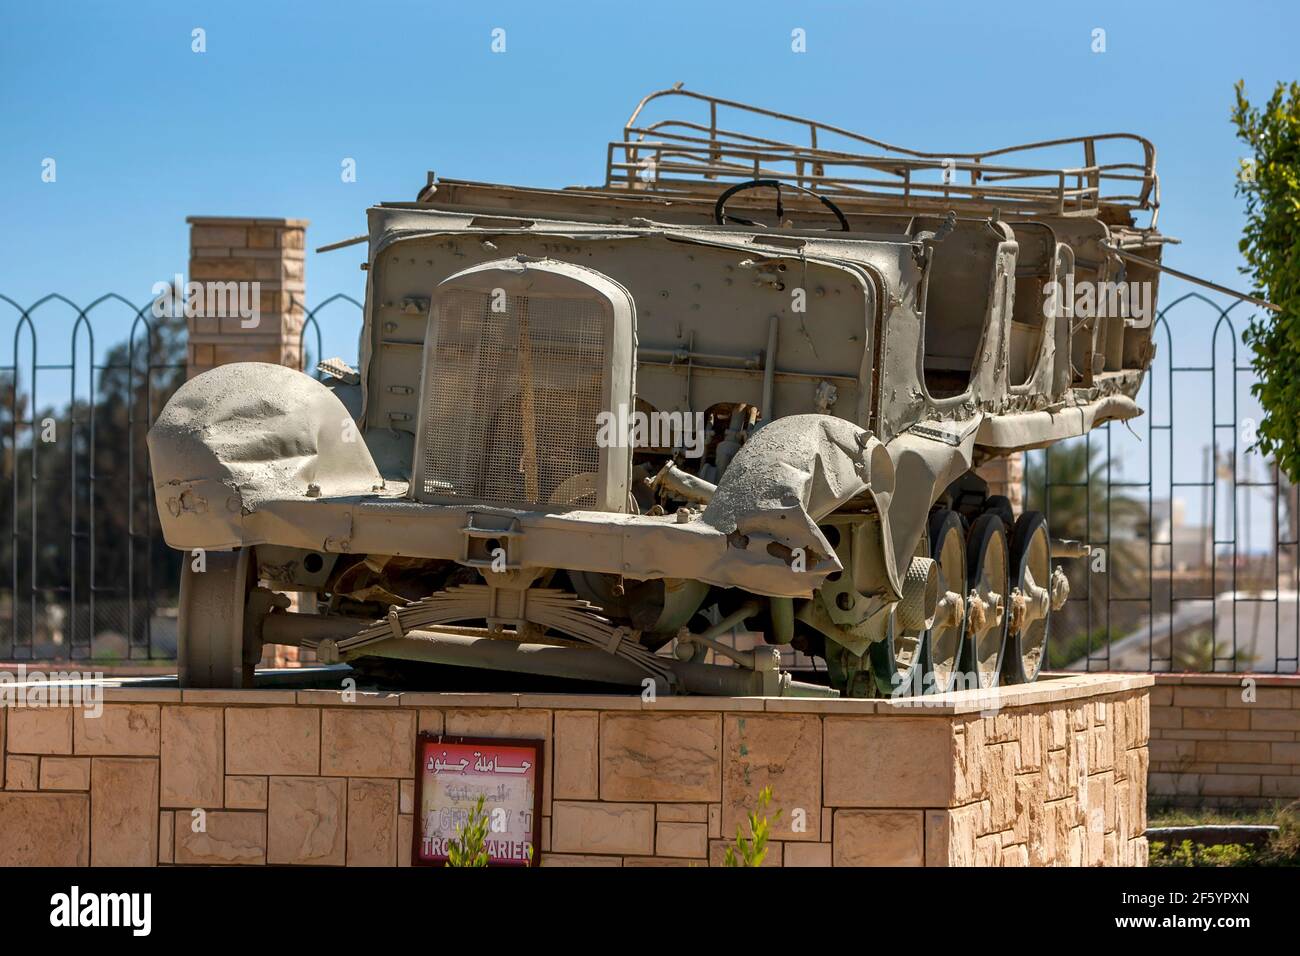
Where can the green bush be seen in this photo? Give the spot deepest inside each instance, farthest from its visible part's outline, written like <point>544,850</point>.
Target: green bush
<point>466,847</point>
<point>1188,853</point>
<point>1270,183</point>
<point>1282,850</point>
<point>752,850</point>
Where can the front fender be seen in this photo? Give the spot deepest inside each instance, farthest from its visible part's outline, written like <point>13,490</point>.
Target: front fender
<point>789,476</point>
<point>246,433</point>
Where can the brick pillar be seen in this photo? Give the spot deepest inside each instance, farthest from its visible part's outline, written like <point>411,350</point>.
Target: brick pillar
<point>268,252</point>
<point>1006,476</point>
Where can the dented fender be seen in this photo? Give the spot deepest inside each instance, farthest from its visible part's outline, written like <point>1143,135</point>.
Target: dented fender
<point>791,474</point>
<point>242,435</point>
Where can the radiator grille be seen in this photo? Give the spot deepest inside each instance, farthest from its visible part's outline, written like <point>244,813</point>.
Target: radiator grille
<point>512,400</point>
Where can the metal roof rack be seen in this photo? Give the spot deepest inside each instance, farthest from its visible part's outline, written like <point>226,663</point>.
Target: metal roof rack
<point>686,157</point>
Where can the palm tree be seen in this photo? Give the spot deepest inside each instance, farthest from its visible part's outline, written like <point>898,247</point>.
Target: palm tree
<point>1069,484</point>
<point>1196,651</point>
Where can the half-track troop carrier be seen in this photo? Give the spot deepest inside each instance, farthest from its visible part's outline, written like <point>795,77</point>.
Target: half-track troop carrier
<point>741,387</point>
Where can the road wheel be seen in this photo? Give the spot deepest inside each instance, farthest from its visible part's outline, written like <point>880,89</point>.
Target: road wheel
<point>900,662</point>
<point>215,642</point>
<point>1000,505</point>
<point>944,643</point>
<point>1030,605</point>
<point>987,576</point>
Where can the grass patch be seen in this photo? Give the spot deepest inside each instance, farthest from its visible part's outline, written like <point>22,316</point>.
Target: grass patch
<point>1181,817</point>
<point>1282,850</point>
<point>1188,853</point>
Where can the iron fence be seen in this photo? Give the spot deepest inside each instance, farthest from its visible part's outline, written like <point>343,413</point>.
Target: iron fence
<point>85,574</point>
<point>1158,590</point>
<point>84,571</point>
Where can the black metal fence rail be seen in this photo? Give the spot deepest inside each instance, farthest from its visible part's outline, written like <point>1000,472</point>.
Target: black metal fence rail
<point>1132,603</point>
<point>85,574</point>
<point>84,571</point>
<point>58,474</point>
<point>310,326</point>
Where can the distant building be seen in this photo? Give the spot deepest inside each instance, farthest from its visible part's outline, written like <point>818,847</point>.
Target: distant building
<point>1177,545</point>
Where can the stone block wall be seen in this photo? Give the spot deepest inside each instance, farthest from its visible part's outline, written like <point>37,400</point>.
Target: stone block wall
<point>1055,774</point>
<point>1225,740</point>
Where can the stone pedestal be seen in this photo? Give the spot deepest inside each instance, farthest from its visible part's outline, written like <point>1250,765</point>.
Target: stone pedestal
<point>1052,773</point>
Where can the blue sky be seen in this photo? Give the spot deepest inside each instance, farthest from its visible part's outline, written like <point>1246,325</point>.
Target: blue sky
<point>146,132</point>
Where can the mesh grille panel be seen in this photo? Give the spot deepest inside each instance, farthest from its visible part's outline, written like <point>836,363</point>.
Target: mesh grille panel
<point>512,400</point>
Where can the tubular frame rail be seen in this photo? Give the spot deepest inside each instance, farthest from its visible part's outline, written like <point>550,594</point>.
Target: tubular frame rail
<point>682,156</point>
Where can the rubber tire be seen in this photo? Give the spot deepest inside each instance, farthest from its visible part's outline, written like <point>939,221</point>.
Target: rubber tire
<point>983,531</point>
<point>211,621</point>
<point>1022,535</point>
<point>1000,505</point>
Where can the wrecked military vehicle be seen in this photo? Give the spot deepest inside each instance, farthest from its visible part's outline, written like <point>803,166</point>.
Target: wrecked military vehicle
<point>743,386</point>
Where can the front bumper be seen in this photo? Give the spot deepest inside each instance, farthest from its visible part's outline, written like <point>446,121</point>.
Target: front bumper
<point>636,546</point>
